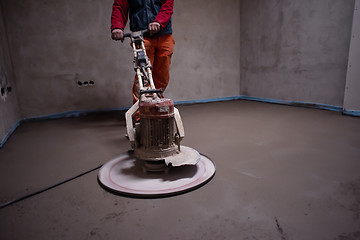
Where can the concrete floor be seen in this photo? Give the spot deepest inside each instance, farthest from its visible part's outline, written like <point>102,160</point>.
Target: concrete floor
<point>282,173</point>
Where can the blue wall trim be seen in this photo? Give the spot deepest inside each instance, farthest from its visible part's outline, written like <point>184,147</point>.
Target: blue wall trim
<point>266,100</point>
<point>207,100</point>
<point>8,134</point>
<point>354,113</point>
<point>187,102</point>
<point>69,114</point>
<point>57,116</point>
<point>295,103</point>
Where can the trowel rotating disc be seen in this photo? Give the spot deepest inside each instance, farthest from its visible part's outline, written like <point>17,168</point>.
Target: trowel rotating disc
<point>124,175</point>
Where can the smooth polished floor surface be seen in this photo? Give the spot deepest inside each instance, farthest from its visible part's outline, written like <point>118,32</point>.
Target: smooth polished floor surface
<point>281,173</point>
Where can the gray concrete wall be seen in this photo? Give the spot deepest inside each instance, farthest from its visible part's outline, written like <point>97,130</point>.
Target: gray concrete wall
<point>206,61</point>
<point>352,90</point>
<point>55,44</point>
<point>9,110</point>
<point>295,50</point>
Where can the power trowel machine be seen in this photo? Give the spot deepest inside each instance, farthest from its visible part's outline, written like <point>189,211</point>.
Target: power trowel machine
<point>155,130</point>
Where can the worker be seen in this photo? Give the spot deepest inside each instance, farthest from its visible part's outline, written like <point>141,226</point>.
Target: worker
<point>154,15</point>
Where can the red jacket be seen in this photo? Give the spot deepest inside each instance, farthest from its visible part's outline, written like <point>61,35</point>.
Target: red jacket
<point>155,12</point>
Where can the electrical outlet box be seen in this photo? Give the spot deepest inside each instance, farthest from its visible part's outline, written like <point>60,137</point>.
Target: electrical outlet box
<point>89,83</point>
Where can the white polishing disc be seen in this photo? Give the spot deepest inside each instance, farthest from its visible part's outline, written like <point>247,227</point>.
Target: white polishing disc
<point>125,175</point>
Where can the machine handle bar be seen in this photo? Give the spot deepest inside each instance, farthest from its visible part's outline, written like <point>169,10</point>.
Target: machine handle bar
<point>135,34</point>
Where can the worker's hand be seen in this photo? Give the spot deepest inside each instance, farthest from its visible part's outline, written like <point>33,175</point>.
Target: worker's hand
<point>117,34</point>
<point>154,27</point>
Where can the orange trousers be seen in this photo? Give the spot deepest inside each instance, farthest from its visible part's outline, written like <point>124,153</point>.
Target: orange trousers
<point>159,50</point>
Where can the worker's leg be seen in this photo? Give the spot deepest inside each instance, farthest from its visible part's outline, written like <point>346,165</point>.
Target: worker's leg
<point>162,60</point>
